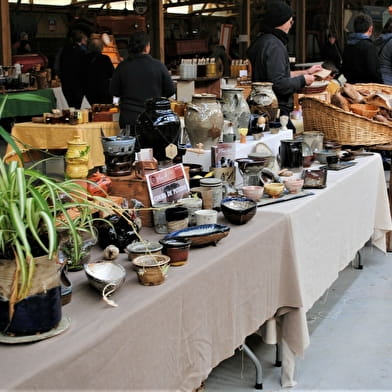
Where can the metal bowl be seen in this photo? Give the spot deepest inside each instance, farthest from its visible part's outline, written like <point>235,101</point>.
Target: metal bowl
<point>103,273</point>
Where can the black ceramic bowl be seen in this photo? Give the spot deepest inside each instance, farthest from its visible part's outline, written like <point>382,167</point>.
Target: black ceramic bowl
<point>238,210</point>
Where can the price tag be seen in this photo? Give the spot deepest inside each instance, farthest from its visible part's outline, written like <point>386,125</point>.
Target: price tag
<point>171,151</point>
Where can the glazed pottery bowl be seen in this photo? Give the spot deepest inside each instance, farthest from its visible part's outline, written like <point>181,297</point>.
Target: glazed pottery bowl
<point>254,192</point>
<point>151,269</point>
<point>102,273</point>
<point>141,248</point>
<point>273,189</point>
<point>177,249</point>
<point>294,185</point>
<point>322,155</point>
<point>238,210</point>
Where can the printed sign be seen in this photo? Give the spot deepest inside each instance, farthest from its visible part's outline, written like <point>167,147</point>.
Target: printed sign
<point>167,185</point>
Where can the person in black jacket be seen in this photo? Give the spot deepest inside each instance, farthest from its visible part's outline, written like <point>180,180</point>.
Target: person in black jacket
<point>139,78</point>
<point>99,71</point>
<point>360,59</point>
<point>72,68</point>
<point>270,59</point>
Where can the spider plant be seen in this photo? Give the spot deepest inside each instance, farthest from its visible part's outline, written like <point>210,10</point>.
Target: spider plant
<point>34,208</point>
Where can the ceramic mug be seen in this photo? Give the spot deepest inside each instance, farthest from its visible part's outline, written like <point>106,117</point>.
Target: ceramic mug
<point>206,217</point>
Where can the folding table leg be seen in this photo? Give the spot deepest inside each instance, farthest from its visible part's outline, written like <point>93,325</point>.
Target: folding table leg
<point>278,358</point>
<point>256,362</point>
<point>357,261</point>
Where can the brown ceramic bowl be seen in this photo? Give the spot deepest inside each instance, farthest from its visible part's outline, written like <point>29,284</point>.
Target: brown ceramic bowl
<point>238,210</point>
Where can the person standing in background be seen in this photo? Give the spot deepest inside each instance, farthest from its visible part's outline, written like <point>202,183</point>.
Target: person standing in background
<point>331,52</point>
<point>384,50</point>
<point>269,57</point>
<point>139,78</point>
<point>72,68</point>
<point>360,60</point>
<point>99,70</point>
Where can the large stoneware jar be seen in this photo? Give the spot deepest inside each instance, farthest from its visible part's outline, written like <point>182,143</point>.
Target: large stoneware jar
<point>235,108</point>
<point>203,119</point>
<point>262,100</point>
<point>158,127</point>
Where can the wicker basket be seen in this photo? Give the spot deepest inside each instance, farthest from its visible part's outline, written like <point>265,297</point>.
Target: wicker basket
<point>345,127</point>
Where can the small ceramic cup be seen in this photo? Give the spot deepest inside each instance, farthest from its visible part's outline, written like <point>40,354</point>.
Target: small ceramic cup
<point>254,192</point>
<point>206,217</point>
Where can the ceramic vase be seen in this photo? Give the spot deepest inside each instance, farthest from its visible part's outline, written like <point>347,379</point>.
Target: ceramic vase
<point>262,100</point>
<point>235,108</point>
<point>158,127</point>
<point>203,119</point>
<point>40,311</point>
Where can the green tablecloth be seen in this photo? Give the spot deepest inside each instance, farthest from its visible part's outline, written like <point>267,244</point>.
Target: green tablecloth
<point>27,103</point>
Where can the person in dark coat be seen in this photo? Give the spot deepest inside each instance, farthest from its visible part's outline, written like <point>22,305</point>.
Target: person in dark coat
<point>360,59</point>
<point>330,52</point>
<point>72,68</point>
<point>99,71</point>
<point>384,50</point>
<point>270,59</point>
<point>139,78</point>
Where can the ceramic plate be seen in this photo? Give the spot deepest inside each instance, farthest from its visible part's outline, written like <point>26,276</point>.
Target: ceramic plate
<point>201,235</point>
<point>63,326</point>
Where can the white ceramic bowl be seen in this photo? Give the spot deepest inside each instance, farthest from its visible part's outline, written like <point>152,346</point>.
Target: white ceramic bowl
<point>294,185</point>
<point>254,192</point>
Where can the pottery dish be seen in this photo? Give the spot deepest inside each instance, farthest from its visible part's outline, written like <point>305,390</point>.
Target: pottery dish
<point>253,192</point>
<point>141,248</point>
<point>151,269</point>
<point>273,189</point>
<point>294,185</point>
<point>322,155</point>
<point>238,210</point>
<point>201,235</point>
<point>102,273</point>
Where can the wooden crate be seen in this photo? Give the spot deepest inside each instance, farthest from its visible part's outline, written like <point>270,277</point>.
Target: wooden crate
<point>130,188</point>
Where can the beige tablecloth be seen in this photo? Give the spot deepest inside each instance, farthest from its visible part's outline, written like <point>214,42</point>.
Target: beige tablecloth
<point>169,337</point>
<point>55,136</point>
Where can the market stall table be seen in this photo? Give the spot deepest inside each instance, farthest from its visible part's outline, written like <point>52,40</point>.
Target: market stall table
<point>27,103</point>
<point>169,337</point>
<point>55,137</point>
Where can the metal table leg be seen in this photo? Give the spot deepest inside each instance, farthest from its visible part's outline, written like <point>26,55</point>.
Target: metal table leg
<point>256,362</point>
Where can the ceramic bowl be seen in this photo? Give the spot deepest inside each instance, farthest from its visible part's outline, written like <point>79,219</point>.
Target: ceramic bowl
<point>102,273</point>
<point>141,248</point>
<point>254,192</point>
<point>322,155</point>
<point>294,185</point>
<point>273,189</point>
<point>177,249</point>
<point>238,210</point>
<point>151,269</point>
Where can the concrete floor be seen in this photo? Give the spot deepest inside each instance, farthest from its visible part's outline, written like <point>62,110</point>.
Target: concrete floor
<point>350,343</point>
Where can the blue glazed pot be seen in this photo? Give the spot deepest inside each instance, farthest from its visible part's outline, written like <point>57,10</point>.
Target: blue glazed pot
<point>35,314</point>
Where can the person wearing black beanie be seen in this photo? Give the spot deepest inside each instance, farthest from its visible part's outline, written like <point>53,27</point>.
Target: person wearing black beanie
<point>270,59</point>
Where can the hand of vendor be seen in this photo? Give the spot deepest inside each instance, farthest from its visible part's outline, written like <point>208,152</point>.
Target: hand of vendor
<point>309,79</point>
<point>313,69</point>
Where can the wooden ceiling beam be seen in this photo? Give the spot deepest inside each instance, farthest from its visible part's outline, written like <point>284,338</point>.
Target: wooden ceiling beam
<point>182,3</point>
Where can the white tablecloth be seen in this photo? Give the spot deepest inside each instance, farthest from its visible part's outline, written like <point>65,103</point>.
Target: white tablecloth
<point>169,337</point>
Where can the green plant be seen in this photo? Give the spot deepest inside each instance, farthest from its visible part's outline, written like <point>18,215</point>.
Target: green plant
<point>34,209</point>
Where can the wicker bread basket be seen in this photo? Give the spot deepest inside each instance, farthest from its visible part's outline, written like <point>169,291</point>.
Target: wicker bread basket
<point>345,127</point>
